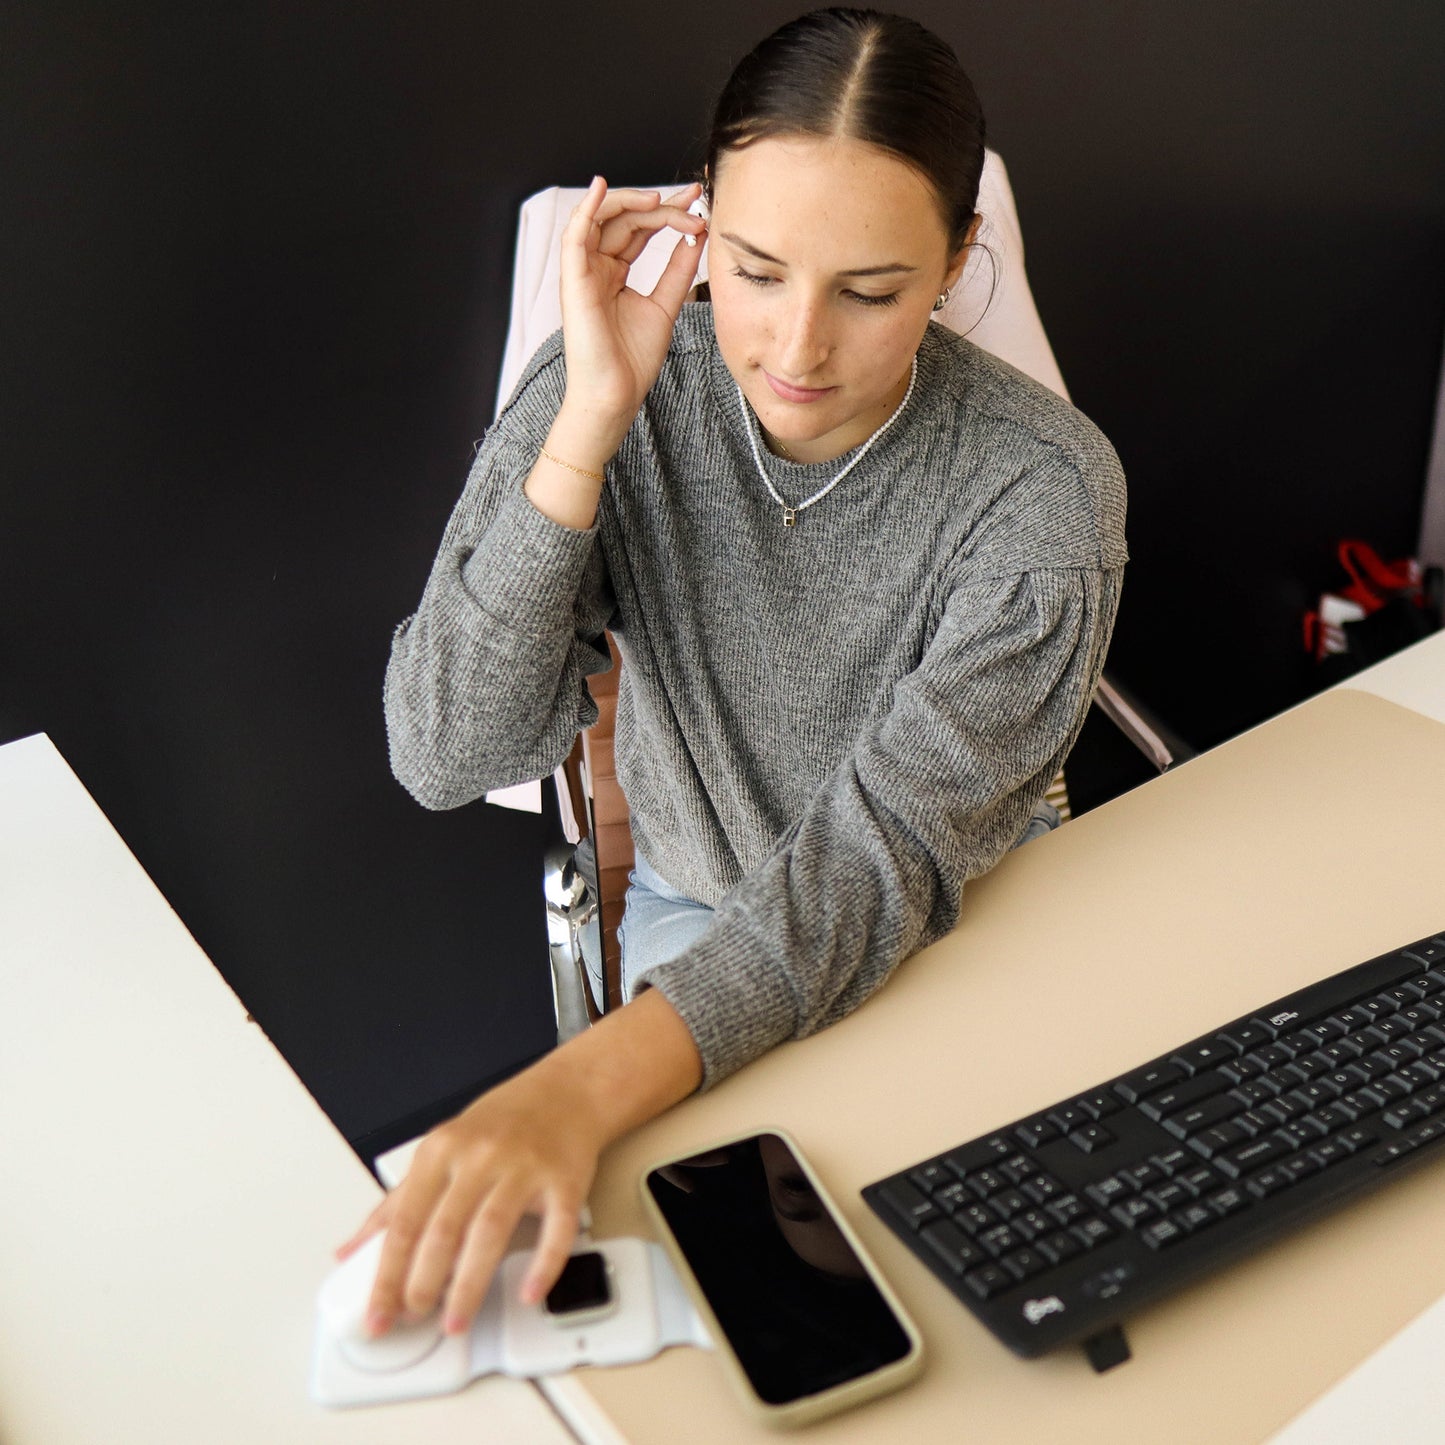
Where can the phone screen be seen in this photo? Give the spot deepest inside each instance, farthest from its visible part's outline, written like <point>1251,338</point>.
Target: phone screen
<point>792,1297</point>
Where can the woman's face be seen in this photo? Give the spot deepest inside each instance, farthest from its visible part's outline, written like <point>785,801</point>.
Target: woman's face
<point>825,259</point>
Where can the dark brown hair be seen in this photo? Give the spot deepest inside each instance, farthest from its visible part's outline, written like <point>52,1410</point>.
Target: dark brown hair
<point>866,76</point>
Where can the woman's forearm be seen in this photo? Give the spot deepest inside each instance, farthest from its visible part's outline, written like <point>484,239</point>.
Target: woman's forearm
<point>630,1066</point>
<point>566,483</point>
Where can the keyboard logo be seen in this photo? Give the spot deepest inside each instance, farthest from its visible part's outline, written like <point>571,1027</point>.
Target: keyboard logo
<point>1040,1309</point>
<point>1284,1018</point>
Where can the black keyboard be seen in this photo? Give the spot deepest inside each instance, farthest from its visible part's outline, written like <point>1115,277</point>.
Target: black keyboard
<point>1053,1228</point>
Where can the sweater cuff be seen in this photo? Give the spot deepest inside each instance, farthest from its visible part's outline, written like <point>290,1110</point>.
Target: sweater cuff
<point>526,570</point>
<point>734,1014</point>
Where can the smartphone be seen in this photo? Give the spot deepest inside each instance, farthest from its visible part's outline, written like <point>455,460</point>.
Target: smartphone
<point>803,1322</point>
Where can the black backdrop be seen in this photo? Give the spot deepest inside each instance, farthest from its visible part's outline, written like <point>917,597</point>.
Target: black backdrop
<point>254,269</point>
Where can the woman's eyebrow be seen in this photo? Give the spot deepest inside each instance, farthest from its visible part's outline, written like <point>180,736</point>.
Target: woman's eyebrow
<point>892,268</point>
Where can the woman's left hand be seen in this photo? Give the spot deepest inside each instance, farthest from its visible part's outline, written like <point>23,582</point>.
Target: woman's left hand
<point>528,1146</point>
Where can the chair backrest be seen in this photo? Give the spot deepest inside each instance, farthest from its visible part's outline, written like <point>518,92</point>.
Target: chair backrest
<point>1006,324</point>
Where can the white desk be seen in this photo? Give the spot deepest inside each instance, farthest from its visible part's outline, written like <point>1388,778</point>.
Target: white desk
<point>171,1192</point>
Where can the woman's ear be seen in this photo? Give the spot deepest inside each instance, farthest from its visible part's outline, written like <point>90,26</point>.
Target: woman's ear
<point>960,257</point>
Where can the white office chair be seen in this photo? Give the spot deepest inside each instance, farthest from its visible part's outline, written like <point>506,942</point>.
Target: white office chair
<point>993,306</point>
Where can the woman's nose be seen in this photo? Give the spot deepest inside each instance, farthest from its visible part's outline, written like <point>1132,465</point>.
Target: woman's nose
<point>806,343</point>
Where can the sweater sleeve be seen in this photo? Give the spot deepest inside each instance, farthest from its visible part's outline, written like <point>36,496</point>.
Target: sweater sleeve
<point>935,791</point>
<point>485,687</point>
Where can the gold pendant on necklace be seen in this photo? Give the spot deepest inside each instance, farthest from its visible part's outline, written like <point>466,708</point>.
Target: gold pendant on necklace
<point>790,516</point>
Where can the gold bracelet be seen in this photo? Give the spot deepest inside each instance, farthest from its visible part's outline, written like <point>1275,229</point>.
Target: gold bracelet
<point>581,471</point>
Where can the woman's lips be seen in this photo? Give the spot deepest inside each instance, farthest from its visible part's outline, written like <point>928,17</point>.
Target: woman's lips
<point>789,392</point>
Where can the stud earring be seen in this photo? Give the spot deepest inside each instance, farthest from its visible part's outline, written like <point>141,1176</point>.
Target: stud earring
<point>943,298</point>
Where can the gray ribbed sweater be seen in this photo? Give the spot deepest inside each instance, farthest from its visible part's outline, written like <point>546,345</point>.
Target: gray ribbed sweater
<point>822,730</point>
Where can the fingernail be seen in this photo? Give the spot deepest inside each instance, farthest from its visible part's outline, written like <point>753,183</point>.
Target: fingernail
<point>376,1322</point>
<point>454,1325</point>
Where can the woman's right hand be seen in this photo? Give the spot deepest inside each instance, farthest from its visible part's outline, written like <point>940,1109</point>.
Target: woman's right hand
<point>615,338</point>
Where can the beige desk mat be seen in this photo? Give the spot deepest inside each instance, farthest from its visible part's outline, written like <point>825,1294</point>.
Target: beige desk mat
<point>1302,847</point>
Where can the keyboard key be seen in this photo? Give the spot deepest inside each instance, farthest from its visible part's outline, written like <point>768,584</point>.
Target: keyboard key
<point>1161,1233</point>
<point>989,1281</point>
<point>1170,1196</point>
<point>1042,1188</point>
<point>1173,1160</point>
<point>1421,1015</point>
<point>1202,1116</point>
<point>953,1197</point>
<point>1255,1122</point>
<point>1069,1117</point>
<point>1100,1105</point>
<point>987,1181</point>
<point>1008,1203</point>
<point>1033,1223</point>
<point>1092,1232</point>
<point>1358,1138</point>
<point>1302,1130</point>
<point>1018,1168</point>
<point>1000,1240</point>
<point>1068,1209</point>
<point>1228,1200</point>
<point>1058,1246</point>
<point>1403,1114</point>
<point>1328,1153</point>
<point>1200,1180</point>
<point>1257,1153</point>
<point>1267,1181</point>
<point>1299,1167</point>
<point>1244,1036</point>
<point>1307,1067</point>
<point>909,1203</point>
<point>1195,1216</point>
<point>1209,1142</point>
<point>1182,1095</point>
<point>978,1155</point>
<point>950,1244</point>
<point>1134,1211</point>
<point>1141,1176</point>
<point>1405,993</point>
<point>1315,1096</point>
<point>1036,1132</point>
<point>1148,1080</point>
<point>1109,1191</point>
<point>1204,1055</point>
<point>1091,1138</point>
<point>1254,1091</point>
<point>931,1177</point>
<point>976,1218</point>
<point>1391,1152</point>
<point>1025,1263</point>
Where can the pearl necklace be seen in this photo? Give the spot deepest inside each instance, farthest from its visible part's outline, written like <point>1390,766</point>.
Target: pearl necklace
<point>790,514</point>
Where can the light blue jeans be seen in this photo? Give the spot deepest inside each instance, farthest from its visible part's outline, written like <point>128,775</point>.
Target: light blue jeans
<point>658,922</point>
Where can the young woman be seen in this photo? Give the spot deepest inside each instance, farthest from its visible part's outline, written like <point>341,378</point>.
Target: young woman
<point>862,576</point>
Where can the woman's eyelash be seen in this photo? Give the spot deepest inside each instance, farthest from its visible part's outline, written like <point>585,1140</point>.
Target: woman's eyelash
<point>891,299</point>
